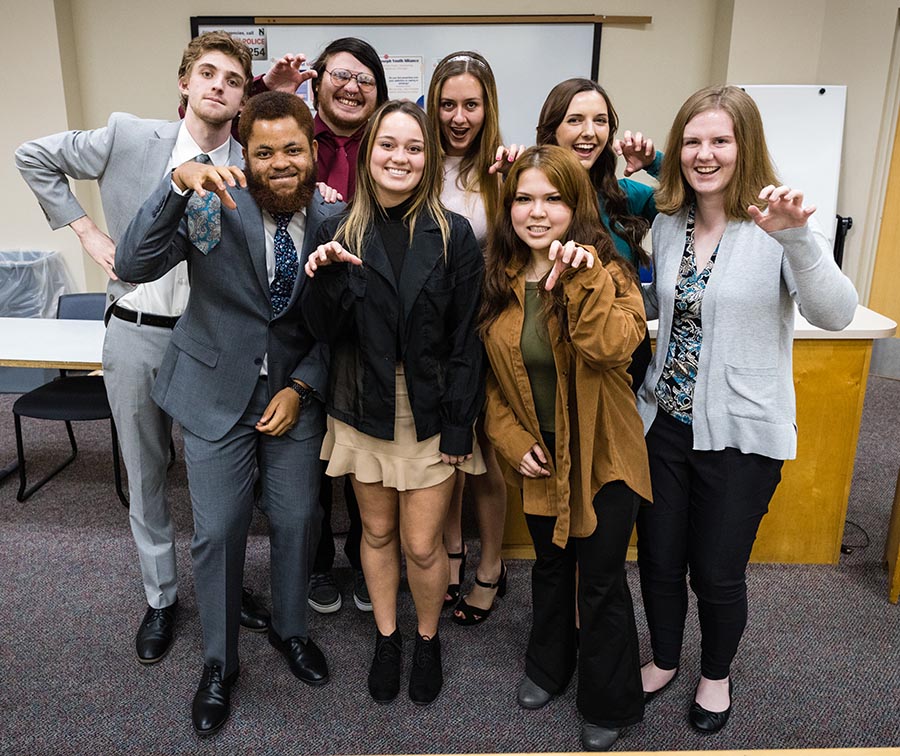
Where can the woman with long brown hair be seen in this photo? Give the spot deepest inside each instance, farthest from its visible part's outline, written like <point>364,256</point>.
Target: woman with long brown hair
<point>560,318</point>
<point>463,110</point>
<point>579,116</point>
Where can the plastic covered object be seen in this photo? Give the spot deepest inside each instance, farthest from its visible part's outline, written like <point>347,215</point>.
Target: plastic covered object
<point>31,282</point>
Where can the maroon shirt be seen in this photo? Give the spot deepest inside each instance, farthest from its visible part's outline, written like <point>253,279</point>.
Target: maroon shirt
<point>329,144</point>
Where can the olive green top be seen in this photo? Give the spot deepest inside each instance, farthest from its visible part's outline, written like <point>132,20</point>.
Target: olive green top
<point>538,358</point>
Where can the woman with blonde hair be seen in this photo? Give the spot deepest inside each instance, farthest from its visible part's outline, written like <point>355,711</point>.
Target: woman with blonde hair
<point>396,285</point>
<point>560,317</point>
<point>733,252</point>
<point>463,112</point>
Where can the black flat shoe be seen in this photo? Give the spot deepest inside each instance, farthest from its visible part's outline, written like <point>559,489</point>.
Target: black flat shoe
<point>650,695</point>
<point>212,701</point>
<point>387,664</point>
<point>709,722</point>
<point>427,676</point>
<point>465,614</point>
<point>597,738</point>
<point>254,616</point>
<point>155,634</point>
<point>305,659</point>
<point>530,695</point>
<point>454,589</point>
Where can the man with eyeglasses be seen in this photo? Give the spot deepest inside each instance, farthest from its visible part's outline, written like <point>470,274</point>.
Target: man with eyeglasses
<point>349,87</point>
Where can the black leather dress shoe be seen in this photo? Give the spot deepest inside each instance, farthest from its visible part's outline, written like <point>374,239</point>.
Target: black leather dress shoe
<point>154,636</point>
<point>709,722</point>
<point>305,659</point>
<point>650,695</point>
<point>254,616</point>
<point>212,701</point>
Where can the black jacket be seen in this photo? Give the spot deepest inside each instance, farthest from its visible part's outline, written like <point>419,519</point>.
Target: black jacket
<point>364,315</point>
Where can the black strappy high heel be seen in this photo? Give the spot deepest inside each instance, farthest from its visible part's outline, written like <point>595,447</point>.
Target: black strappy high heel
<point>464,614</point>
<point>454,589</point>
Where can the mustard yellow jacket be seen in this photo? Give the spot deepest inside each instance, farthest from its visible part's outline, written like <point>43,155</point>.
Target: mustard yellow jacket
<point>599,434</point>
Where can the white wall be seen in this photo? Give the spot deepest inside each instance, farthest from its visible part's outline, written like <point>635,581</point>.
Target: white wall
<point>109,55</point>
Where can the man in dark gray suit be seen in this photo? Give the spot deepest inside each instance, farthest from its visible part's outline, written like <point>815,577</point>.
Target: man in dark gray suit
<point>127,157</point>
<point>244,376</point>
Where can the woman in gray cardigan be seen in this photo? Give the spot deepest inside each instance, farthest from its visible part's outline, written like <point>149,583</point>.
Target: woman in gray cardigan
<point>733,252</point>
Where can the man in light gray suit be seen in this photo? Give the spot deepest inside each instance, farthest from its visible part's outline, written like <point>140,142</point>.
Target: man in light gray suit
<point>244,376</point>
<point>128,157</point>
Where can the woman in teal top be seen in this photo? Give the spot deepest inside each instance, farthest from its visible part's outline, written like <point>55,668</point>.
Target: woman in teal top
<point>579,115</point>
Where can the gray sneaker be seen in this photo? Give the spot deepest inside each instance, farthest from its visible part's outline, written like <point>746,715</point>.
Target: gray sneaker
<point>324,595</point>
<point>361,592</point>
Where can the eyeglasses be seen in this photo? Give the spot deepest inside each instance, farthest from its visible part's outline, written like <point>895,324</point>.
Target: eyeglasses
<point>341,76</point>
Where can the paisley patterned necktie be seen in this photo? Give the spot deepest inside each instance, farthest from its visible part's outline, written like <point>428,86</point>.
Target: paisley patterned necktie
<point>204,217</point>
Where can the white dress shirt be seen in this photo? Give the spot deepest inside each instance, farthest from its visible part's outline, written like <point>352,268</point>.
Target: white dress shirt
<point>168,295</point>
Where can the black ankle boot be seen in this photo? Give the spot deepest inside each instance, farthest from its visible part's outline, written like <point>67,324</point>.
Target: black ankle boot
<point>384,674</point>
<point>426,678</point>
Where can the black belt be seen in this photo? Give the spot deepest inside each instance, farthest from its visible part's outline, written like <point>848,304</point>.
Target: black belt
<point>160,321</point>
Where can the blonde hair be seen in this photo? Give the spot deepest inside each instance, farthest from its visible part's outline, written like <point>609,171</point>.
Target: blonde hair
<point>753,168</point>
<point>426,197</point>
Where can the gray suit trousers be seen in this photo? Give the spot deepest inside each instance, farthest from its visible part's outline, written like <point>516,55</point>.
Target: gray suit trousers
<point>132,355</point>
<point>221,476</point>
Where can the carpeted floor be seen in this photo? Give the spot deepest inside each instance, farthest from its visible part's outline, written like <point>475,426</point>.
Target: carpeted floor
<point>818,666</point>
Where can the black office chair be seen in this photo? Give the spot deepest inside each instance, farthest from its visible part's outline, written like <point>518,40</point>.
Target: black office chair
<point>69,398</point>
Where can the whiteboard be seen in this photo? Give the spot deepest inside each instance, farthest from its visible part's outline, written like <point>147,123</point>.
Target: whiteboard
<point>518,54</point>
<point>804,127</point>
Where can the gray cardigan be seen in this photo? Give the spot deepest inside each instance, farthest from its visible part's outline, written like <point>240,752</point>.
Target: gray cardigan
<point>744,393</point>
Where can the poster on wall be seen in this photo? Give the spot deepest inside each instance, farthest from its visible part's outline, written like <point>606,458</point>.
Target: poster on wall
<point>405,77</point>
<point>252,36</point>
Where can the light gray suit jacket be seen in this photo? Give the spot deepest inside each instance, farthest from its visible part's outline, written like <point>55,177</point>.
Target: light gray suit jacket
<point>126,157</point>
<point>212,366</point>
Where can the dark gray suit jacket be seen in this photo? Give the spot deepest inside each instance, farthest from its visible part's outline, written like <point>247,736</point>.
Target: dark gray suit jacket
<point>213,363</point>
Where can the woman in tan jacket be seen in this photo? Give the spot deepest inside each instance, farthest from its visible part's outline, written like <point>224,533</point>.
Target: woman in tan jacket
<point>561,316</point>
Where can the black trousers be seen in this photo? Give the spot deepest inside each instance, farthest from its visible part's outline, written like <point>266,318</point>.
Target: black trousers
<point>707,506</point>
<point>324,559</point>
<point>606,647</point>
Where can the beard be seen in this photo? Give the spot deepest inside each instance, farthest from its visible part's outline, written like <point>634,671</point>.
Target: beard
<point>276,202</point>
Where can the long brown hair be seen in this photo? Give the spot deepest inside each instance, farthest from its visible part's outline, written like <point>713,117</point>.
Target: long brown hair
<point>753,169</point>
<point>507,250</point>
<point>473,168</point>
<point>631,228</point>
<point>360,219</point>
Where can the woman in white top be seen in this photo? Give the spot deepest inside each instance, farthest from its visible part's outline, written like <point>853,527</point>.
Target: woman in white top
<point>462,110</point>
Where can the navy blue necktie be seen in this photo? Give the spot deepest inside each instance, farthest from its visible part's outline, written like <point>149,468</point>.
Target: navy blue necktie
<point>285,264</point>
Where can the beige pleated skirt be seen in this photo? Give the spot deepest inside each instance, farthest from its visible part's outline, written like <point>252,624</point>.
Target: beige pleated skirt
<point>404,463</point>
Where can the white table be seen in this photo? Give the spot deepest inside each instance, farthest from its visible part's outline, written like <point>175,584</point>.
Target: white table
<point>50,343</point>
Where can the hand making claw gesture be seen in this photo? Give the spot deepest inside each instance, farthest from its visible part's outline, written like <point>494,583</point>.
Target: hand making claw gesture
<point>326,254</point>
<point>285,74</point>
<point>568,255</point>
<point>637,150</point>
<point>505,157</point>
<point>785,209</point>
<point>203,178</point>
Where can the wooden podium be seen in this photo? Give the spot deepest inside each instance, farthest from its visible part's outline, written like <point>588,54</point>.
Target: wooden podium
<point>805,523</point>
